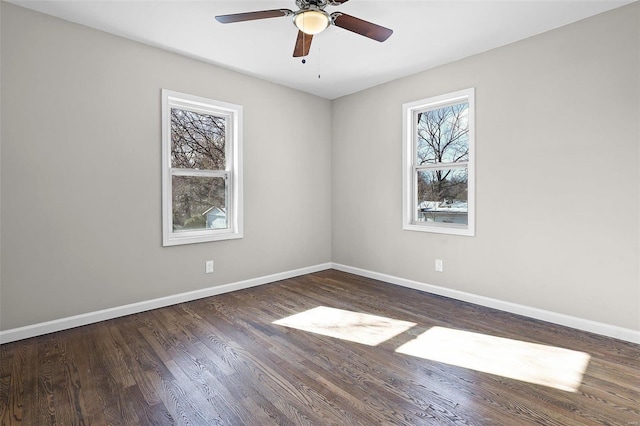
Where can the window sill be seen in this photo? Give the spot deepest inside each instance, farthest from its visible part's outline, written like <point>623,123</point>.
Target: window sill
<point>440,229</point>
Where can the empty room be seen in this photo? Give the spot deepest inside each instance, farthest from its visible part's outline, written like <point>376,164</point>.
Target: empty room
<point>320,212</point>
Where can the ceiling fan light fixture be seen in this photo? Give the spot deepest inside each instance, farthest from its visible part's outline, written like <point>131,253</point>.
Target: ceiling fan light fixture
<point>311,21</point>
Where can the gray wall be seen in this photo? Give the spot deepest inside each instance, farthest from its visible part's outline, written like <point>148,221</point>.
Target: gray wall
<point>557,174</point>
<point>81,177</point>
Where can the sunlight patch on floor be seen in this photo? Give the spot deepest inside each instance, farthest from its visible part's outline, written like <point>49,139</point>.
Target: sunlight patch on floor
<point>355,327</point>
<point>528,362</point>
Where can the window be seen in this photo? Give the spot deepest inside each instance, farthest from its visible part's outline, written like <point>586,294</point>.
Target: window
<point>438,164</point>
<point>201,169</point>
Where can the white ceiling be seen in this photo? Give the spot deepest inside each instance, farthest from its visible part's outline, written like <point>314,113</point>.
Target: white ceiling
<point>426,34</point>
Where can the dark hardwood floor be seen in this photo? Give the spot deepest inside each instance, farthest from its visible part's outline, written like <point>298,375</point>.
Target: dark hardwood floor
<point>221,360</point>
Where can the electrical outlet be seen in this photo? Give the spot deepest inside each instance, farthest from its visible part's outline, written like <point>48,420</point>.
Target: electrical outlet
<point>208,267</point>
<point>439,265</point>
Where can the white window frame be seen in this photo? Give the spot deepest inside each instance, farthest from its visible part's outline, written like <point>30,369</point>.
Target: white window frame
<point>410,169</point>
<point>232,174</point>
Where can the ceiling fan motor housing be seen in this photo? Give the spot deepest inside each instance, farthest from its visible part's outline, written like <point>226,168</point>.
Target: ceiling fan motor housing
<point>311,20</point>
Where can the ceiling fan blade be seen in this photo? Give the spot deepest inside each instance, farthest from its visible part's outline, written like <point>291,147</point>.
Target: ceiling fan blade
<point>303,44</point>
<point>360,26</point>
<point>250,16</point>
<point>336,2</point>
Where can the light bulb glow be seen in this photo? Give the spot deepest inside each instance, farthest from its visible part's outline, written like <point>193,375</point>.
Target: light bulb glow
<point>311,21</point>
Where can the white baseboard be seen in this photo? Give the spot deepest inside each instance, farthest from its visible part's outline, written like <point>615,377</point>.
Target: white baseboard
<point>626,334</point>
<point>119,311</point>
<point>20,333</point>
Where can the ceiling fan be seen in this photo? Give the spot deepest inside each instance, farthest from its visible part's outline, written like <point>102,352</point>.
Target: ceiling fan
<point>311,19</point>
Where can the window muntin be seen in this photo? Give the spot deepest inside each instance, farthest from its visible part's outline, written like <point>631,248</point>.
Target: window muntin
<point>202,176</point>
<point>438,167</point>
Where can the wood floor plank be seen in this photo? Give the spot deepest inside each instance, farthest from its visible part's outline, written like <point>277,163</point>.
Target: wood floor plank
<point>222,360</point>
<point>7,353</point>
<point>12,385</point>
<point>107,380</point>
<point>146,414</point>
<point>45,389</point>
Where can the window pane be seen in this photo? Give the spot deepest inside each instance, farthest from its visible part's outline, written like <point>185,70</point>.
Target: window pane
<point>199,203</point>
<point>442,196</point>
<point>443,135</point>
<point>197,140</point>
